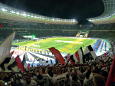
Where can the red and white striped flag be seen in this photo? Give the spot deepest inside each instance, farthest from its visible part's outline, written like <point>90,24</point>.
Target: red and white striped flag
<point>78,56</point>
<point>57,55</point>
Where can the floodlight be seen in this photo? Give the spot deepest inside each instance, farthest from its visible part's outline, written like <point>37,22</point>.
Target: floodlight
<point>17,13</point>
<point>73,20</point>
<point>53,19</point>
<point>3,9</point>
<point>24,14</point>
<point>28,15</point>
<point>32,16</point>
<point>12,11</point>
<point>35,16</point>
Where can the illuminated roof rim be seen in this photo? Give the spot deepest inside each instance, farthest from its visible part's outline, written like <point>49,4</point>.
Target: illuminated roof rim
<point>107,17</point>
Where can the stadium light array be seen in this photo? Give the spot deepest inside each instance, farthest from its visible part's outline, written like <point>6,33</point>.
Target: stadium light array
<point>36,16</point>
<point>28,15</point>
<point>17,13</point>
<point>53,19</point>
<point>32,16</point>
<point>24,14</point>
<point>3,9</point>
<point>13,11</point>
<point>73,20</point>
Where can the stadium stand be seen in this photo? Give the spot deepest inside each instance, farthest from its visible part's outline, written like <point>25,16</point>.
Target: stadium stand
<point>96,72</point>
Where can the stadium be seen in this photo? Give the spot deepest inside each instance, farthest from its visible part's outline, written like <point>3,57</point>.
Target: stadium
<point>50,37</point>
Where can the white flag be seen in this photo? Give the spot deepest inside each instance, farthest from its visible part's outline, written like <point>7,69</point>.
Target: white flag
<point>78,56</point>
<point>5,47</point>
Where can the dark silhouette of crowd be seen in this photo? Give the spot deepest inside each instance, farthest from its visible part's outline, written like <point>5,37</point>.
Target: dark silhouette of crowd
<point>93,73</point>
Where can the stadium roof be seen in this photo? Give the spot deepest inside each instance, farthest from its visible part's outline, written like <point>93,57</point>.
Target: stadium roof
<point>108,15</point>
<point>9,14</point>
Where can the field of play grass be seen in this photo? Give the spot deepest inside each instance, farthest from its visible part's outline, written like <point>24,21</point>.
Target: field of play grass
<point>63,44</point>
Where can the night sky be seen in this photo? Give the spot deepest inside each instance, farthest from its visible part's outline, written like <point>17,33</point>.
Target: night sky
<point>75,9</point>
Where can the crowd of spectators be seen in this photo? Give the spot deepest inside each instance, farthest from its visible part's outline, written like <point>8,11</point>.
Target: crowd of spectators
<point>92,74</point>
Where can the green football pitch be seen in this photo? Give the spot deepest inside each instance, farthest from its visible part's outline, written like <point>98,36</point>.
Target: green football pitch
<point>63,44</point>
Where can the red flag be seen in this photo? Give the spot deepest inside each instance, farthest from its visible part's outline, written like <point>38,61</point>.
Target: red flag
<point>57,55</point>
<point>19,63</point>
<point>111,75</point>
